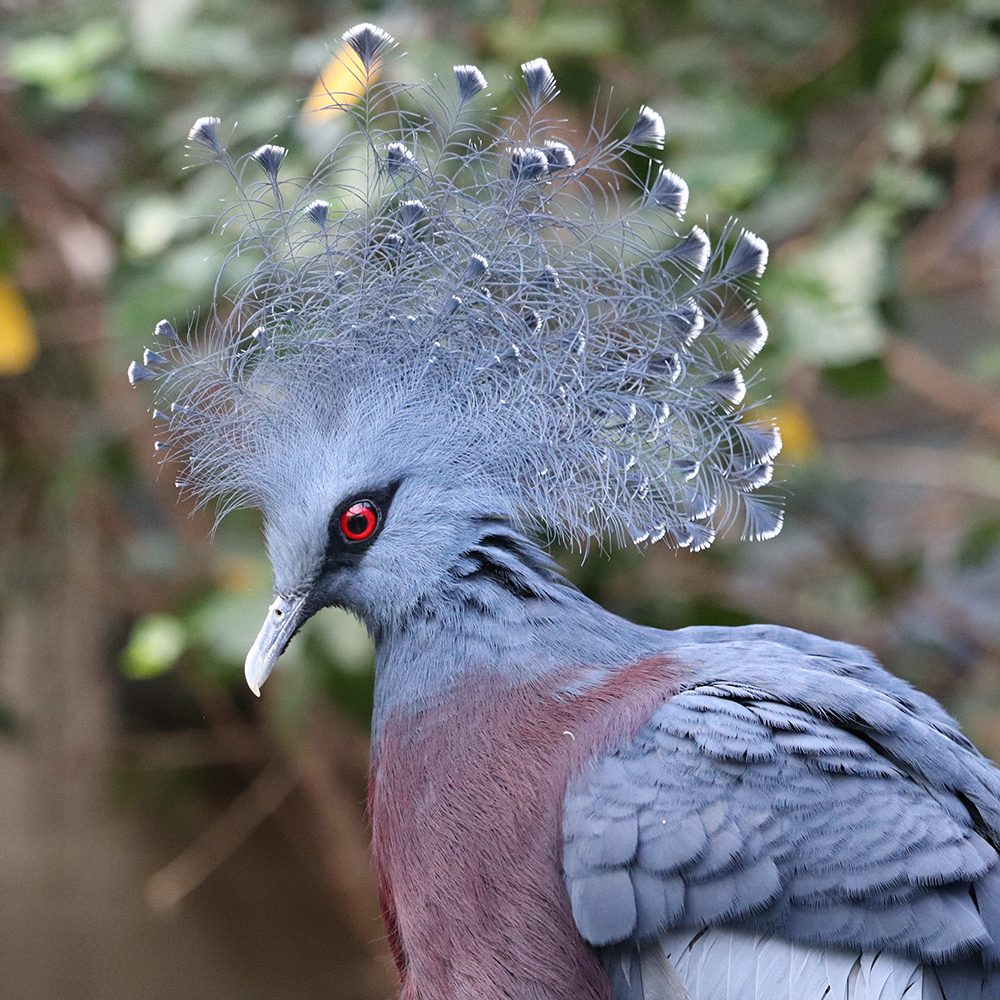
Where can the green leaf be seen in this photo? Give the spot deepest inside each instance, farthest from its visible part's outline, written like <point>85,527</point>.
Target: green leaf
<point>10,724</point>
<point>973,58</point>
<point>44,61</point>
<point>151,225</point>
<point>66,67</point>
<point>838,324</point>
<point>559,35</point>
<point>863,378</point>
<point>154,646</point>
<point>980,544</point>
<point>986,363</point>
<point>225,624</point>
<point>342,637</point>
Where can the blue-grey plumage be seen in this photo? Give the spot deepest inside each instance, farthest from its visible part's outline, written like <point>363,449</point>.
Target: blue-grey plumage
<point>793,792</point>
<point>485,336</point>
<point>566,341</point>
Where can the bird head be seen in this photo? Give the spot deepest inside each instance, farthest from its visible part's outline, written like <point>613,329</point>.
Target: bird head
<point>463,318</point>
<point>374,528</point>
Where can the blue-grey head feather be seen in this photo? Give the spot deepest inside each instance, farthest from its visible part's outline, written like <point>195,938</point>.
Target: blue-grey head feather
<point>497,296</point>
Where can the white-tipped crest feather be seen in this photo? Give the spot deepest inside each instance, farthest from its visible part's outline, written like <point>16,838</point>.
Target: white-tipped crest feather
<point>501,301</point>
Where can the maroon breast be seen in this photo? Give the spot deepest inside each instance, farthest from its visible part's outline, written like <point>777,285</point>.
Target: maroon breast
<point>466,805</point>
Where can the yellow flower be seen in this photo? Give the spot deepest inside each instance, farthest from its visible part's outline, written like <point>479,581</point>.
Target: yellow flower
<point>799,443</point>
<point>342,82</point>
<point>18,341</point>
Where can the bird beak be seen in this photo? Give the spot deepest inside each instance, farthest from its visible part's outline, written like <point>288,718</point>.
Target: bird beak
<point>284,617</point>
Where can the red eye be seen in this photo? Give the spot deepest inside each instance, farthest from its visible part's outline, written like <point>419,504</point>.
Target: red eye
<point>359,521</point>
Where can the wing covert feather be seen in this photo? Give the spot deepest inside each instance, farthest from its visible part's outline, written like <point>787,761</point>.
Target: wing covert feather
<point>785,794</point>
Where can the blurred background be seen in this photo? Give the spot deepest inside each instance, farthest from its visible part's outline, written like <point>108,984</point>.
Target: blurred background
<point>162,833</point>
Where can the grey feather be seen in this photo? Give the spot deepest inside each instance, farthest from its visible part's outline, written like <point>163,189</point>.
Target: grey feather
<point>269,158</point>
<point>747,335</point>
<point>318,212</point>
<point>165,331</point>
<point>558,154</point>
<point>205,132</point>
<point>648,129</point>
<point>152,359</point>
<point>693,249</point>
<point>669,191</point>
<point>377,304</point>
<point>730,964</point>
<point>607,903</point>
<point>398,157</point>
<point>528,164</point>
<point>139,373</point>
<point>659,978</point>
<point>748,257</point>
<point>540,80</point>
<point>878,851</point>
<point>369,42</point>
<point>638,973</point>
<point>470,81</point>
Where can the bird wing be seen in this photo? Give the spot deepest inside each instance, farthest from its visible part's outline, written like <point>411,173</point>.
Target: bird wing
<point>798,797</point>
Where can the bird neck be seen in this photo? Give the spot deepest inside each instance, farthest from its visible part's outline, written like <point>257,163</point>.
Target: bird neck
<point>502,615</point>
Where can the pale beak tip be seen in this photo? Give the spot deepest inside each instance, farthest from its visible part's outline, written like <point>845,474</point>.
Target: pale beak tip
<point>255,672</point>
<point>283,619</point>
